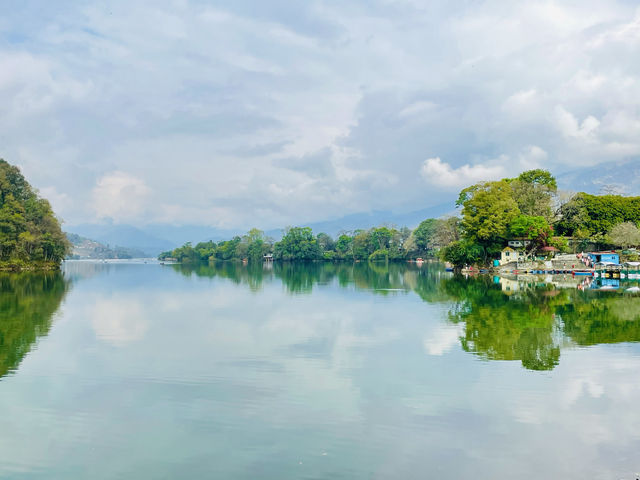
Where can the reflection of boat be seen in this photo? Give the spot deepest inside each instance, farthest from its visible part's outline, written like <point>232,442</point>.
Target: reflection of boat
<point>583,273</point>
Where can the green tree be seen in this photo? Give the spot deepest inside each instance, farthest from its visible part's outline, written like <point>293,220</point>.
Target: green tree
<point>344,246</point>
<point>325,242</point>
<point>361,247</point>
<point>463,252</point>
<point>447,232</point>
<point>596,214</point>
<point>298,243</point>
<point>625,235</point>
<point>533,191</point>
<point>536,229</point>
<point>488,209</point>
<point>424,234</point>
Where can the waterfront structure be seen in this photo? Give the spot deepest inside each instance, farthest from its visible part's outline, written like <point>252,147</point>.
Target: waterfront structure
<point>508,255</point>
<point>604,257</point>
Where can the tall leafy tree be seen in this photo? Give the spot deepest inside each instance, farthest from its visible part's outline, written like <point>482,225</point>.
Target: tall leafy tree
<point>298,243</point>
<point>424,234</point>
<point>488,208</point>
<point>533,191</point>
<point>625,235</point>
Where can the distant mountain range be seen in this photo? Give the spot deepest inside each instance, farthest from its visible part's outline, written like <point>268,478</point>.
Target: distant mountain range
<point>619,177</point>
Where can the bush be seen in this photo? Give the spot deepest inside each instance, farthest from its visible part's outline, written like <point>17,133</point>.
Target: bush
<point>381,255</point>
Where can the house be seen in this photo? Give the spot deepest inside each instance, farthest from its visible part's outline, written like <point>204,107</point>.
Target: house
<point>608,256</point>
<point>519,242</point>
<point>508,254</point>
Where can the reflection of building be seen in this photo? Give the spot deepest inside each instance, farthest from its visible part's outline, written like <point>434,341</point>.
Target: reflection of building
<point>605,284</point>
<point>509,285</point>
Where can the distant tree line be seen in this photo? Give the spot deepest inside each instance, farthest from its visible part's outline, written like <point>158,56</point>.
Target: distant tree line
<point>381,243</point>
<point>30,233</point>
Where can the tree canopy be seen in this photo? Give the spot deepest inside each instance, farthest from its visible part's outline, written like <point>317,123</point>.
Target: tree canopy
<point>488,208</point>
<point>29,230</point>
<point>597,214</point>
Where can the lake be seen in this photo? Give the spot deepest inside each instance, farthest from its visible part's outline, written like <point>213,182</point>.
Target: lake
<point>140,370</point>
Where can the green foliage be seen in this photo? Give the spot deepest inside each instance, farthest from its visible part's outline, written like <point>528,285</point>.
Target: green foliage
<point>463,252</point>
<point>423,235</point>
<point>29,231</point>
<point>533,191</point>
<point>325,242</point>
<point>431,235</point>
<point>561,243</point>
<point>587,214</point>
<point>625,235</point>
<point>381,255</point>
<point>298,243</point>
<point>344,246</point>
<point>487,211</point>
<point>533,228</point>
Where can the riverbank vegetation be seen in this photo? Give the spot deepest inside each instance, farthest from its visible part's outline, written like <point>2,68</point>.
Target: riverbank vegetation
<point>30,233</point>
<point>531,209</point>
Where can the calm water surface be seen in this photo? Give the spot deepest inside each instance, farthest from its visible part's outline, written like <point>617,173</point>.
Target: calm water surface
<point>136,371</point>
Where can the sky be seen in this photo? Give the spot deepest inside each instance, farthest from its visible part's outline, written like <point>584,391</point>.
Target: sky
<point>270,112</point>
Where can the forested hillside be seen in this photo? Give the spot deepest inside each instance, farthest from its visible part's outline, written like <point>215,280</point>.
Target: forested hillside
<point>30,233</point>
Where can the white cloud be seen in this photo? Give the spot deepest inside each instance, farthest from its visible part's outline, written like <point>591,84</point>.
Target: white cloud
<point>439,173</point>
<point>416,108</point>
<point>568,124</point>
<point>250,99</point>
<point>532,157</point>
<point>120,195</point>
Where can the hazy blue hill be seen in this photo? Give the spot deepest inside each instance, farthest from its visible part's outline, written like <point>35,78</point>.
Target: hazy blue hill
<point>180,234</point>
<point>624,176</point>
<point>375,218</point>
<point>85,248</point>
<point>125,236</point>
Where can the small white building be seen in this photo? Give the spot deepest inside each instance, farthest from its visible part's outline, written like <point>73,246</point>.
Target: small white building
<point>508,255</point>
<point>519,243</point>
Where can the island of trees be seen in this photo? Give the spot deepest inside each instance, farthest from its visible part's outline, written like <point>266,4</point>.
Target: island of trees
<point>30,233</point>
<point>528,207</point>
